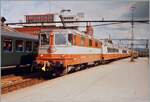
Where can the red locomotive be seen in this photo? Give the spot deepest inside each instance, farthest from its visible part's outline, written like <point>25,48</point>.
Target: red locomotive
<point>62,50</point>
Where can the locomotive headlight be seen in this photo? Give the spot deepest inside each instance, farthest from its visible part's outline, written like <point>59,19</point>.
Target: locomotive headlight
<point>41,55</point>
<point>61,62</point>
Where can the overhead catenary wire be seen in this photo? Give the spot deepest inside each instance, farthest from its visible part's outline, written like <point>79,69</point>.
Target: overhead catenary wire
<point>84,21</point>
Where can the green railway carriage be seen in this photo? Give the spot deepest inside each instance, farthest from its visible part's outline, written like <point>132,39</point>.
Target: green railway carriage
<point>17,49</point>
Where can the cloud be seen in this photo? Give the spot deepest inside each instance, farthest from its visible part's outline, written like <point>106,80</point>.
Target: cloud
<point>15,10</point>
<point>141,10</point>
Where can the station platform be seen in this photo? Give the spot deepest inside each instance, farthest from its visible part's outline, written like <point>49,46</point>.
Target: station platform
<point>119,81</point>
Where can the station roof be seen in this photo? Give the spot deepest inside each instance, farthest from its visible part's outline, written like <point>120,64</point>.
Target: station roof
<point>8,31</point>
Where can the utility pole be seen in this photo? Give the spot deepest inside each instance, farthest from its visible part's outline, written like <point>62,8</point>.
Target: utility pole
<point>132,34</point>
<point>50,6</point>
<point>147,44</point>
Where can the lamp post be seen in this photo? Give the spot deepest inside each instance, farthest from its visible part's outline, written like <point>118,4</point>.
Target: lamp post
<point>61,17</point>
<point>132,34</point>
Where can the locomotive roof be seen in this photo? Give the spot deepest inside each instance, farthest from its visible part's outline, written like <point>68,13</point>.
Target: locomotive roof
<point>7,31</point>
<point>64,30</point>
<point>73,31</point>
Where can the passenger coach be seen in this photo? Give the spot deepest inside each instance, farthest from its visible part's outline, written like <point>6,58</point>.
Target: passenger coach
<point>112,52</point>
<point>17,49</point>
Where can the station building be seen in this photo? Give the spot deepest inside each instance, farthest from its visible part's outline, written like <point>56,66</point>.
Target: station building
<point>38,22</point>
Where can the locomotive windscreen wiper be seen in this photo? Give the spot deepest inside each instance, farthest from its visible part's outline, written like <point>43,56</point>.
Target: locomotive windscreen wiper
<point>44,39</point>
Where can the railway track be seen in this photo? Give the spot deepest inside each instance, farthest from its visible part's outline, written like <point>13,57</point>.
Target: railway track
<point>12,82</point>
<point>7,76</point>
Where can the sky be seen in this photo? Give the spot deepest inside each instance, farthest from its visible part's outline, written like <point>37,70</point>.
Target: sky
<point>14,11</point>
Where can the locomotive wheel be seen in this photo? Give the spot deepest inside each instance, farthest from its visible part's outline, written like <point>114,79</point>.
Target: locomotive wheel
<point>60,71</point>
<point>65,71</point>
<point>32,68</point>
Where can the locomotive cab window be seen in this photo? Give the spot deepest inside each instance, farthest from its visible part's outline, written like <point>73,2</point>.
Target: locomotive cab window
<point>28,46</point>
<point>44,39</point>
<point>35,46</point>
<point>70,38</point>
<point>60,39</point>
<point>19,45</point>
<point>7,45</point>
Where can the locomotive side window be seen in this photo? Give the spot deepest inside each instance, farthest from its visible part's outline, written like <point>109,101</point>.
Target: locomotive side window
<point>74,40</point>
<point>28,46</point>
<point>19,45</point>
<point>96,44</point>
<point>7,45</point>
<point>82,41</point>
<point>90,42</point>
<point>44,39</point>
<point>60,39</point>
<point>70,38</point>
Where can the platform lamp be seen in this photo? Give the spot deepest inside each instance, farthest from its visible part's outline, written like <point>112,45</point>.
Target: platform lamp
<point>3,20</point>
<point>132,33</point>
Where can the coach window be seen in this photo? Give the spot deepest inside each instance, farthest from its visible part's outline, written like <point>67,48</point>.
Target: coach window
<point>70,38</point>
<point>112,50</point>
<point>28,46</point>
<point>100,43</point>
<point>124,51</point>
<point>60,39</point>
<point>7,46</point>
<point>19,45</point>
<point>117,50</point>
<point>35,46</point>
